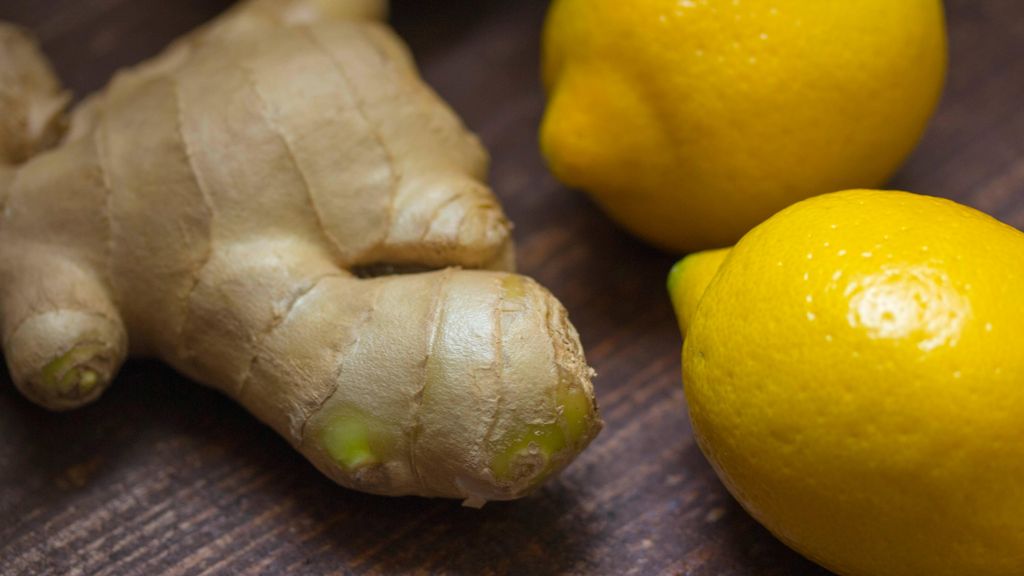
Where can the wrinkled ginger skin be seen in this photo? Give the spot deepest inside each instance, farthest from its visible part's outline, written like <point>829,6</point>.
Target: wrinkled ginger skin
<point>209,208</point>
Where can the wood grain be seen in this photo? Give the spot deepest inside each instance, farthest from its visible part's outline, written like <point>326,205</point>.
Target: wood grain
<point>164,476</point>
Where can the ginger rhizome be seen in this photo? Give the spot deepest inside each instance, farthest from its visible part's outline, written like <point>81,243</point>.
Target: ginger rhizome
<point>214,208</point>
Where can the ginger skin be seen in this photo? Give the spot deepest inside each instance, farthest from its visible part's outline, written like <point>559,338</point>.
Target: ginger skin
<point>31,99</point>
<point>209,208</point>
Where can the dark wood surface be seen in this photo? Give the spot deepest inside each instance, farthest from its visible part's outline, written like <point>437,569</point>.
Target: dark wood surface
<point>163,475</point>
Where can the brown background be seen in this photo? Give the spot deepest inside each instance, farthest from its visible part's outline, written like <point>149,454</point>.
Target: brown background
<point>163,475</point>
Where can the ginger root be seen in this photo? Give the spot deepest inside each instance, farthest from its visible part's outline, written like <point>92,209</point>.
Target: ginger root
<point>212,207</point>
<point>31,100</point>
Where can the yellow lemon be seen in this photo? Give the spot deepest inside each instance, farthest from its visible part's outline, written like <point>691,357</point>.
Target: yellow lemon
<point>691,121</point>
<point>855,374</point>
<point>688,281</point>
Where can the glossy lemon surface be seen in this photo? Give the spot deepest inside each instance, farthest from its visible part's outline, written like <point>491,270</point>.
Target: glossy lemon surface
<point>855,374</point>
<point>691,121</point>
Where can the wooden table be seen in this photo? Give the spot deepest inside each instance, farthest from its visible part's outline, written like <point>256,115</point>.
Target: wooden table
<point>163,475</point>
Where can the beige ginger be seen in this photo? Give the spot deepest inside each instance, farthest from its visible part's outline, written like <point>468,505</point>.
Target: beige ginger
<point>211,208</point>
